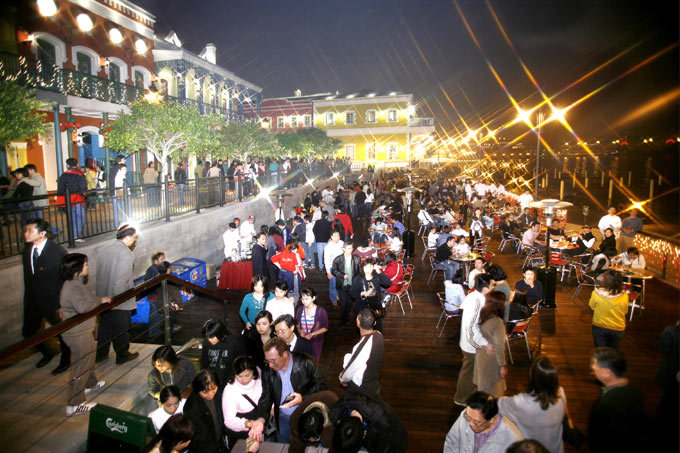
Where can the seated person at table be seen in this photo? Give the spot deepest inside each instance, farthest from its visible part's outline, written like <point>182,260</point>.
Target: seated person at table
<point>584,241</point>
<point>525,220</point>
<point>425,218</point>
<point>397,225</point>
<point>432,237</point>
<point>607,251</point>
<point>395,242</point>
<point>518,308</point>
<point>632,257</point>
<point>379,227</point>
<point>462,248</point>
<point>364,251</point>
<point>395,271</point>
<point>533,287</point>
<point>479,269</point>
<point>556,231</point>
<point>530,235</point>
<point>508,226</point>
<point>458,231</point>
<point>487,219</point>
<point>443,259</point>
<point>454,292</point>
<point>444,235</point>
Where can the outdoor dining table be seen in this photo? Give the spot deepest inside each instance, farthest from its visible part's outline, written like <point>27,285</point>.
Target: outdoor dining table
<point>467,261</point>
<point>629,274</point>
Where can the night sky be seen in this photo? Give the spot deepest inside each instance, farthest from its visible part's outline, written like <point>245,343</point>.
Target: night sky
<point>423,47</point>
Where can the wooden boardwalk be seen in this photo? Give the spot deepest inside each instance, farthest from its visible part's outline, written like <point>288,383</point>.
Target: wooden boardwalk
<point>420,369</point>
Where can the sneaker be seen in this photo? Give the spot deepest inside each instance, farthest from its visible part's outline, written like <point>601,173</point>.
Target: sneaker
<point>99,385</point>
<point>80,240</point>
<point>459,404</point>
<point>79,409</point>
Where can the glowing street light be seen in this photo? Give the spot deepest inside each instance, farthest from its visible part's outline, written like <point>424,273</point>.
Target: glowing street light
<point>140,46</point>
<point>557,114</point>
<point>115,36</point>
<point>524,116</point>
<point>84,22</point>
<point>47,8</point>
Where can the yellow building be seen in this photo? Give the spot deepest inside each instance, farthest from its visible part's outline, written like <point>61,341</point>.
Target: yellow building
<point>379,129</point>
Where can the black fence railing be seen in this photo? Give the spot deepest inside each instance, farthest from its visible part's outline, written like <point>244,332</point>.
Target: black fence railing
<point>105,209</point>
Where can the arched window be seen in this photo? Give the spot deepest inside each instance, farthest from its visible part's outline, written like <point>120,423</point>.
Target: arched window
<point>141,76</point>
<point>85,60</point>
<point>117,70</point>
<point>164,87</point>
<point>114,72</point>
<point>53,49</point>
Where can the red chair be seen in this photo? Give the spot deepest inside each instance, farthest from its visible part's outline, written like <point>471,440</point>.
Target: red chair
<point>518,331</point>
<point>449,314</point>
<point>556,259</point>
<point>401,292</point>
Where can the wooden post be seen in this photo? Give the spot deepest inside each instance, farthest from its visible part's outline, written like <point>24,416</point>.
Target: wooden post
<point>562,189</point>
<point>602,179</point>
<point>621,180</point>
<point>659,183</point>
<point>630,173</point>
<point>651,189</point>
<point>611,191</point>
<point>573,180</point>
<point>586,182</point>
<point>555,173</point>
<point>547,179</point>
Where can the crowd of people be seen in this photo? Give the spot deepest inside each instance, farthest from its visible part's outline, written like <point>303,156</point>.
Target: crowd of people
<point>264,383</point>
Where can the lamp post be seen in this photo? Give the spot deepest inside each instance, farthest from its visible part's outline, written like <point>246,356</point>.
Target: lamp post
<point>548,275</point>
<point>539,120</point>
<point>409,235</point>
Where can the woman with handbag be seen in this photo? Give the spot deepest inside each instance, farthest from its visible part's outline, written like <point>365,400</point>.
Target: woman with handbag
<point>489,374</point>
<point>538,412</point>
<point>367,291</point>
<point>240,397</point>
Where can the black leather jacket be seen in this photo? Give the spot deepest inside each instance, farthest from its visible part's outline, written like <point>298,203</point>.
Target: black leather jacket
<point>338,269</point>
<point>305,379</point>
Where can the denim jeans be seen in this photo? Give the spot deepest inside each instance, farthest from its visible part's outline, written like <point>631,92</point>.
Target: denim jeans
<point>450,268</point>
<point>181,188</point>
<point>283,436</point>
<point>606,337</point>
<point>78,214</point>
<point>332,291</point>
<point>308,256</point>
<point>320,247</point>
<point>117,207</point>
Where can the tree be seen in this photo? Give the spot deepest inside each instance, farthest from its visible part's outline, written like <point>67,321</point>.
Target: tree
<point>164,128</point>
<point>310,143</point>
<point>248,139</point>
<point>19,115</point>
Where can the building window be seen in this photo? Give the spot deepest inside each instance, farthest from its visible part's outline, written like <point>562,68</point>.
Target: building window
<point>114,72</point>
<point>392,116</point>
<point>164,87</point>
<point>370,151</point>
<point>350,151</point>
<point>350,118</point>
<point>308,120</point>
<point>139,80</point>
<point>293,121</point>
<point>84,63</point>
<point>392,151</point>
<point>280,122</point>
<point>330,118</point>
<point>371,116</point>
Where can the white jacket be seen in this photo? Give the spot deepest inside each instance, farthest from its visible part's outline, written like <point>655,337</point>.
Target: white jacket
<point>461,438</point>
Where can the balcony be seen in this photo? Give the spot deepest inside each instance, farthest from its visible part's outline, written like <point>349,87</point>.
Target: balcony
<point>421,122</point>
<point>66,81</point>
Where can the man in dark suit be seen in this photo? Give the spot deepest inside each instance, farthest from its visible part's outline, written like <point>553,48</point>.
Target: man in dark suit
<point>284,327</point>
<point>260,266</point>
<point>42,285</point>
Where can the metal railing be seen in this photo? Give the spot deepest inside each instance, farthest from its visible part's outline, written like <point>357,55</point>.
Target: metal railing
<point>36,74</point>
<point>414,122</point>
<point>662,256</point>
<point>105,209</point>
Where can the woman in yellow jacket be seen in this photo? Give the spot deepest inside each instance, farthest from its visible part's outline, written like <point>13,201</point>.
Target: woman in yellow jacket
<point>610,305</point>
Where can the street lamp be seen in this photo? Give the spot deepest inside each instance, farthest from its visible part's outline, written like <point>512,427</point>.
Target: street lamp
<point>409,235</point>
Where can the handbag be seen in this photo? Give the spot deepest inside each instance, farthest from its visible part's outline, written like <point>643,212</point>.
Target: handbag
<point>269,431</point>
<point>572,436</point>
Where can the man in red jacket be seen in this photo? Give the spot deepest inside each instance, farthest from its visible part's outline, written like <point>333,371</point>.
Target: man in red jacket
<point>346,222</point>
<point>77,185</point>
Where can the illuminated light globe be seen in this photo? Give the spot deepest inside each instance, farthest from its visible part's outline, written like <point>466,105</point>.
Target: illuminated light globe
<point>116,36</point>
<point>47,8</point>
<point>140,46</point>
<point>84,22</point>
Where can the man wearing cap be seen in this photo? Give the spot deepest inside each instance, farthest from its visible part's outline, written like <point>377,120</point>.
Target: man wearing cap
<point>584,240</point>
<point>231,242</point>
<point>115,263</point>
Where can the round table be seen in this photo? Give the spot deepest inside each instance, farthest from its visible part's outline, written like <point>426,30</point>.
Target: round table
<point>629,274</point>
<point>467,260</point>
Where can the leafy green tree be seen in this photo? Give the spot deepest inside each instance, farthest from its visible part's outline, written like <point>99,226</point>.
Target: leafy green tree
<point>309,143</point>
<point>248,139</point>
<point>163,129</point>
<point>19,115</point>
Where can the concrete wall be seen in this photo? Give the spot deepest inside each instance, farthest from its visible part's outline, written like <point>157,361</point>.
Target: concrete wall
<point>192,235</point>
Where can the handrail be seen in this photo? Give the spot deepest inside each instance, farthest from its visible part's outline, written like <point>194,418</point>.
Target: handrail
<point>116,300</point>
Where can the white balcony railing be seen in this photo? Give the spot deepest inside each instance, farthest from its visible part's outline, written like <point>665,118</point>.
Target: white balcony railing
<point>415,122</point>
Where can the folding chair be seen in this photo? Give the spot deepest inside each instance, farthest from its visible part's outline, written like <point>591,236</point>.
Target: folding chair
<point>445,312</point>
<point>409,269</point>
<point>401,292</point>
<point>518,331</point>
<point>426,249</point>
<point>508,239</point>
<point>583,279</point>
<point>434,270</point>
<point>480,245</point>
<point>558,260</point>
